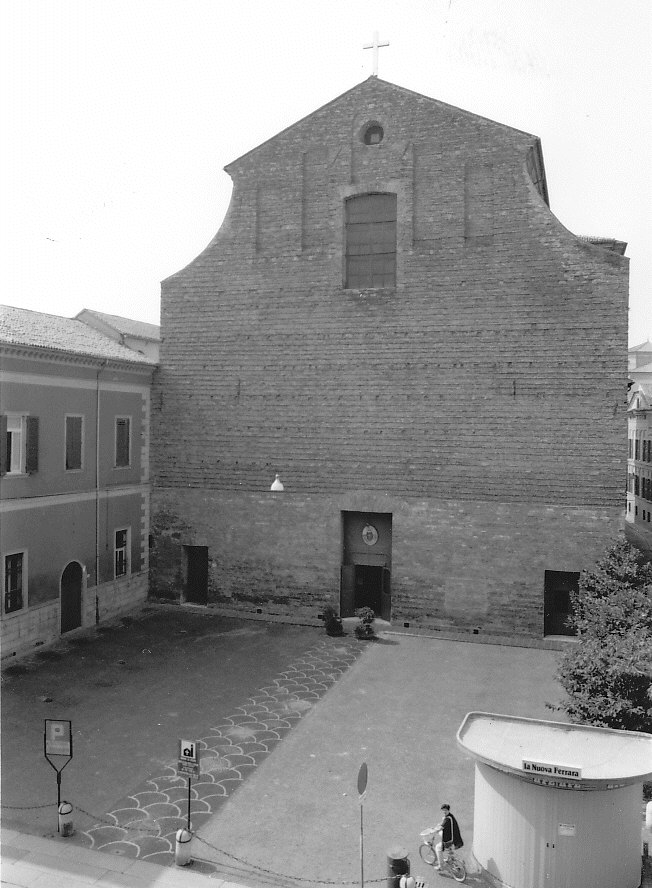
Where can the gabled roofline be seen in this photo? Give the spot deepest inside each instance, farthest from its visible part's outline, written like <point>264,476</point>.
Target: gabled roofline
<point>105,319</point>
<point>402,89</point>
<point>644,346</point>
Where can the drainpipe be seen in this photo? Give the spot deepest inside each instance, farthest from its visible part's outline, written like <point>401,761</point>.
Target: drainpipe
<point>97,490</point>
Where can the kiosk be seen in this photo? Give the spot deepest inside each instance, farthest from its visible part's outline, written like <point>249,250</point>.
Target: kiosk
<point>556,805</point>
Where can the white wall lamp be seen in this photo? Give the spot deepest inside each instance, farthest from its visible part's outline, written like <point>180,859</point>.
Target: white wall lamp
<point>277,484</point>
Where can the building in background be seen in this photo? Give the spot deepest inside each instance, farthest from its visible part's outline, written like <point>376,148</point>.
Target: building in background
<point>393,320</point>
<point>74,477</point>
<point>639,363</point>
<point>639,467</point>
<point>136,335</point>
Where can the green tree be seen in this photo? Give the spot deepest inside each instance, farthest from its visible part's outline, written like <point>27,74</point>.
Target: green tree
<point>607,674</point>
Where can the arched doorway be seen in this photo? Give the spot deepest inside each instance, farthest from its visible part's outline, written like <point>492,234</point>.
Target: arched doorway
<point>72,580</point>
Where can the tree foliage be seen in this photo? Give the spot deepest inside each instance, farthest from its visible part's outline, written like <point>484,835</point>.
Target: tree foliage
<point>607,674</point>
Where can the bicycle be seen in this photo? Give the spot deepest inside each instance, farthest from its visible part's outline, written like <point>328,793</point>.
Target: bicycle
<point>452,863</point>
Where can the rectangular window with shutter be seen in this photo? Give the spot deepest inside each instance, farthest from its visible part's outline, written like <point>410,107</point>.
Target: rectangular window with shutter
<point>15,445</point>
<point>19,450</point>
<point>122,441</point>
<point>74,450</point>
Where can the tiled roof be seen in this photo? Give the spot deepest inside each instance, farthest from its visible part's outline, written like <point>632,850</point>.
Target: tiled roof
<point>126,326</point>
<point>18,326</point>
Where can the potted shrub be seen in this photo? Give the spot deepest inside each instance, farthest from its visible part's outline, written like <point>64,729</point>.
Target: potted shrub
<point>332,622</point>
<point>365,627</point>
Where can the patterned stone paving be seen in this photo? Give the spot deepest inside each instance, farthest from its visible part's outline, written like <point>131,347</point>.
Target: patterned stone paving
<point>144,824</point>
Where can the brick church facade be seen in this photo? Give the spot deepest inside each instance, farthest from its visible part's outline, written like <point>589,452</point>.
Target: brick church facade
<point>392,319</point>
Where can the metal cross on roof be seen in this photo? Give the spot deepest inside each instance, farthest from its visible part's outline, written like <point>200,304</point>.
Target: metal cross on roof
<point>375,46</point>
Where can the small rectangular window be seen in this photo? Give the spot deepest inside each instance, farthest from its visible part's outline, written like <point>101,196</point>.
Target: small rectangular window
<point>13,582</point>
<point>74,429</point>
<point>15,450</point>
<point>636,448</point>
<point>122,441</point>
<point>630,448</point>
<point>121,552</point>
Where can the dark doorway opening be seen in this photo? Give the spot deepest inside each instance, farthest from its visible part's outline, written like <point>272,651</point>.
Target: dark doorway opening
<point>72,580</point>
<point>368,587</point>
<point>366,568</point>
<point>196,574</point>
<point>557,606</point>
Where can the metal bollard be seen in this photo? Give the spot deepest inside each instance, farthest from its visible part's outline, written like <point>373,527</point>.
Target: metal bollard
<point>397,865</point>
<point>66,827</point>
<point>182,849</point>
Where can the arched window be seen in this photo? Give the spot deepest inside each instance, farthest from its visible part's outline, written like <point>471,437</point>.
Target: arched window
<point>370,241</point>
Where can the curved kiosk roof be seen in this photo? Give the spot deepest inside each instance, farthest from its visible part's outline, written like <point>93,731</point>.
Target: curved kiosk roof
<point>556,753</point>
<point>556,804</point>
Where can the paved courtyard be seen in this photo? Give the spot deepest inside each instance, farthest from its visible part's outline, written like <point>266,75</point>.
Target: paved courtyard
<point>284,717</point>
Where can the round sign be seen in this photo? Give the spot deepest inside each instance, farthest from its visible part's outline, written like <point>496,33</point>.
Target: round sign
<point>362,779</point>
<point>369,535</point>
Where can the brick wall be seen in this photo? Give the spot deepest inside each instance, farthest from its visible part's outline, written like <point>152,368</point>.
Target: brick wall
<point>455,564</point>
<point>493,373</point>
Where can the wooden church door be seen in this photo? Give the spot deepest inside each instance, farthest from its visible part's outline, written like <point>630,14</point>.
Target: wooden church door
<point>347,590</point>
<point>197,574</point>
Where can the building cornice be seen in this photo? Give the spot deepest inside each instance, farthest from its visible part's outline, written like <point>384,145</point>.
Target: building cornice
<point>76,359</point>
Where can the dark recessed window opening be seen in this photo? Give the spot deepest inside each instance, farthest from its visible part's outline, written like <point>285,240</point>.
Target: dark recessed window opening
<point>373,134</point>
<point>370,241</point>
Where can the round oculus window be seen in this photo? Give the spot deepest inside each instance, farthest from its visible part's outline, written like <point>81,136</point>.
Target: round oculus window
<point>373,134</point>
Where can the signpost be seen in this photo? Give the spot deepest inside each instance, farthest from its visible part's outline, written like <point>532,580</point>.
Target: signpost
<point>362,792</point>
<point>57,741</point>
<point>188,764</point>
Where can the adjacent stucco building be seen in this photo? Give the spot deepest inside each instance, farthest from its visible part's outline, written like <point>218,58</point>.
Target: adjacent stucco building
<point>74,477</point>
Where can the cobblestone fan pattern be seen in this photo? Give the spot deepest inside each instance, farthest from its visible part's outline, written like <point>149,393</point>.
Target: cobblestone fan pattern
<point>145,823</point>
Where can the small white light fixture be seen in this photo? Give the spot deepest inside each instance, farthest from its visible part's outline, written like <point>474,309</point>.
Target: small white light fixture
<point>277,483</point>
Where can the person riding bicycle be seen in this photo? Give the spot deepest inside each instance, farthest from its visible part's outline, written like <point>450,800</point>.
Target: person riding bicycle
<point>451,837</point>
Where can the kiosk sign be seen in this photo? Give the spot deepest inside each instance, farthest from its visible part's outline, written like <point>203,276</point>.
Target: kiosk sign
<point>555,772</point>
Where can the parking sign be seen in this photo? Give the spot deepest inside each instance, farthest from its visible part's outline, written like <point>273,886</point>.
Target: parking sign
<point>58,737</point>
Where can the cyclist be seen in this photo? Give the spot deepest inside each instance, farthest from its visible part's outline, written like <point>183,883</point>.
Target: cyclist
<point>450,835</point>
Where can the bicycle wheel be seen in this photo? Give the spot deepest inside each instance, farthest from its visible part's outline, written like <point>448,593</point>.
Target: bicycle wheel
<point>427,853</point>
<point>458,869</point>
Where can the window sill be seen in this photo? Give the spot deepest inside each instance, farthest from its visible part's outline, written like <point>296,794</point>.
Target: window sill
<point>370,291</point>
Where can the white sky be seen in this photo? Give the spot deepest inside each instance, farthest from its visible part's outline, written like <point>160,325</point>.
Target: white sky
<point>119,115</point>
